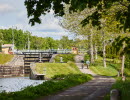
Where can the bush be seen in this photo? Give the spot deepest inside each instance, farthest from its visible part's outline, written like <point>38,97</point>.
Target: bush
<point>111,52</point>
<point>127,61</point>
<point>123,87</point>
<point>86,57</point>
<point>65,57</point>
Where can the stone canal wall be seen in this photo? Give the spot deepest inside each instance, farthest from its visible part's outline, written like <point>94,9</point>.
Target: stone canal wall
<point>9,71</point>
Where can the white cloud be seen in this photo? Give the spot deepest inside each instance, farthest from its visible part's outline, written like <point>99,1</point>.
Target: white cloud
<point>3,27</point>
<point>48,28</point>
<point>56,35</point>
<point>4,8</point>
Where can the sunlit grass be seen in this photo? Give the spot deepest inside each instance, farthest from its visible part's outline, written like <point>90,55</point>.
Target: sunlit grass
<point>4,58</point>
<point>57,68</point>
<point>110,70</point>
<point>100,70</point>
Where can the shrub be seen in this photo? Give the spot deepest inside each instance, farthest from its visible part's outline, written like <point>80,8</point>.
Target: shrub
<point>86,57</point>
<point>127,61</point>
<point>65,57</point>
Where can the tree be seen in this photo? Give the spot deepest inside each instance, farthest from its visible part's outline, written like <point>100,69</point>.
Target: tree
<point>1,37</point>
<point>65,43</point>
<point>122,43</point>
<point>36,8</point>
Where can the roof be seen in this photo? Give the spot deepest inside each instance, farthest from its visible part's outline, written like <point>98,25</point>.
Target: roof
<point>7,45</point>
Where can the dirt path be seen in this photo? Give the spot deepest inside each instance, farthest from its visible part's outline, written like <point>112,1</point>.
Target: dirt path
<point>78,60</point>
<point>92,90</point>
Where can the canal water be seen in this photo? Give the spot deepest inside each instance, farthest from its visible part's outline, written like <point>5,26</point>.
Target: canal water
<point>17,83</point>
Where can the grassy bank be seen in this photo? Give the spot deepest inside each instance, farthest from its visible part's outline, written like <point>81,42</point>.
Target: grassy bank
<point>112,67</point>
<point>57,68</point>
<point>123,87</point>
<point>65,57</point>
<point>4,58</point>
<point>47,88</point>
<point>110,70</point>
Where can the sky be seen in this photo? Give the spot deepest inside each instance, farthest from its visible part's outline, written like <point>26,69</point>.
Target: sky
<point>13,14</point>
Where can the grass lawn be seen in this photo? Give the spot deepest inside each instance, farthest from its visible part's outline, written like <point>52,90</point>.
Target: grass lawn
<point>4,58</point>
<point>57,68</point>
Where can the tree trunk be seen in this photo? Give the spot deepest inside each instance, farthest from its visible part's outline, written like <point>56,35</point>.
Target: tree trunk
<point>91,50</point>
<point>123,61</point>
<point>122,65</point>
<point>95,51</point>
<point>104,51</point>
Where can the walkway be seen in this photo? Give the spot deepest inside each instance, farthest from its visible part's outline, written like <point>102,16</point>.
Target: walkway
<point>92,90</point>
<point>78,60</point>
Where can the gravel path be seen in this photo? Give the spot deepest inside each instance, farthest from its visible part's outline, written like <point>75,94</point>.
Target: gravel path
<point>78,60</point>
<point>92,90</point>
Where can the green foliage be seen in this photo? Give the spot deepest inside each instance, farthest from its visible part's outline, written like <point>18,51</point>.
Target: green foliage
<point>4,58</point>
<point>35,9</point>
<point>65,57</point>
<point>21,40</point>
<point>65,43</point>
<point>0,47</point>
<point>127,60</point>
<point>112,52</point>
<point>47,88</point>
<point>123,87</point>
<point>1,38</point>
<point>120,42</point>
<point>57,68</point>
<point>86,57</point>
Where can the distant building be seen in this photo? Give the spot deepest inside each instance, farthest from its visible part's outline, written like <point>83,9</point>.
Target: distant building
<point>74,50</point>
<point>7,48</point>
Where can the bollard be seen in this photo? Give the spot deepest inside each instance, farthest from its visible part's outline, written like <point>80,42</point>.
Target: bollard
<point>123,78</point>
<point>114,94</point>
<point>118,75</point>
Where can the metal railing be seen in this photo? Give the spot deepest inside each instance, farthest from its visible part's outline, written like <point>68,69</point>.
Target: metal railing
<point>52,51</point>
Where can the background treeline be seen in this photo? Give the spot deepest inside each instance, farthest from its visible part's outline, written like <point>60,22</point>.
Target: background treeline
<point>21,40</point>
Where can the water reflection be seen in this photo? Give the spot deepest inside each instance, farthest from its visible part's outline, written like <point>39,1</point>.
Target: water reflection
<point>17,83</point>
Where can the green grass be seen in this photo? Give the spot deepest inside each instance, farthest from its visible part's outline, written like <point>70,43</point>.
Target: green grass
<point>123,87</point>
<point>98,68</point>
<point>46,88</point>
<point>65,57</point>
<point>4,58</point>
<point>57,68</point>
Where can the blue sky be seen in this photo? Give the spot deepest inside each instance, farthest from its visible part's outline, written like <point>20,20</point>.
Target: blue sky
<point>13,14</point>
